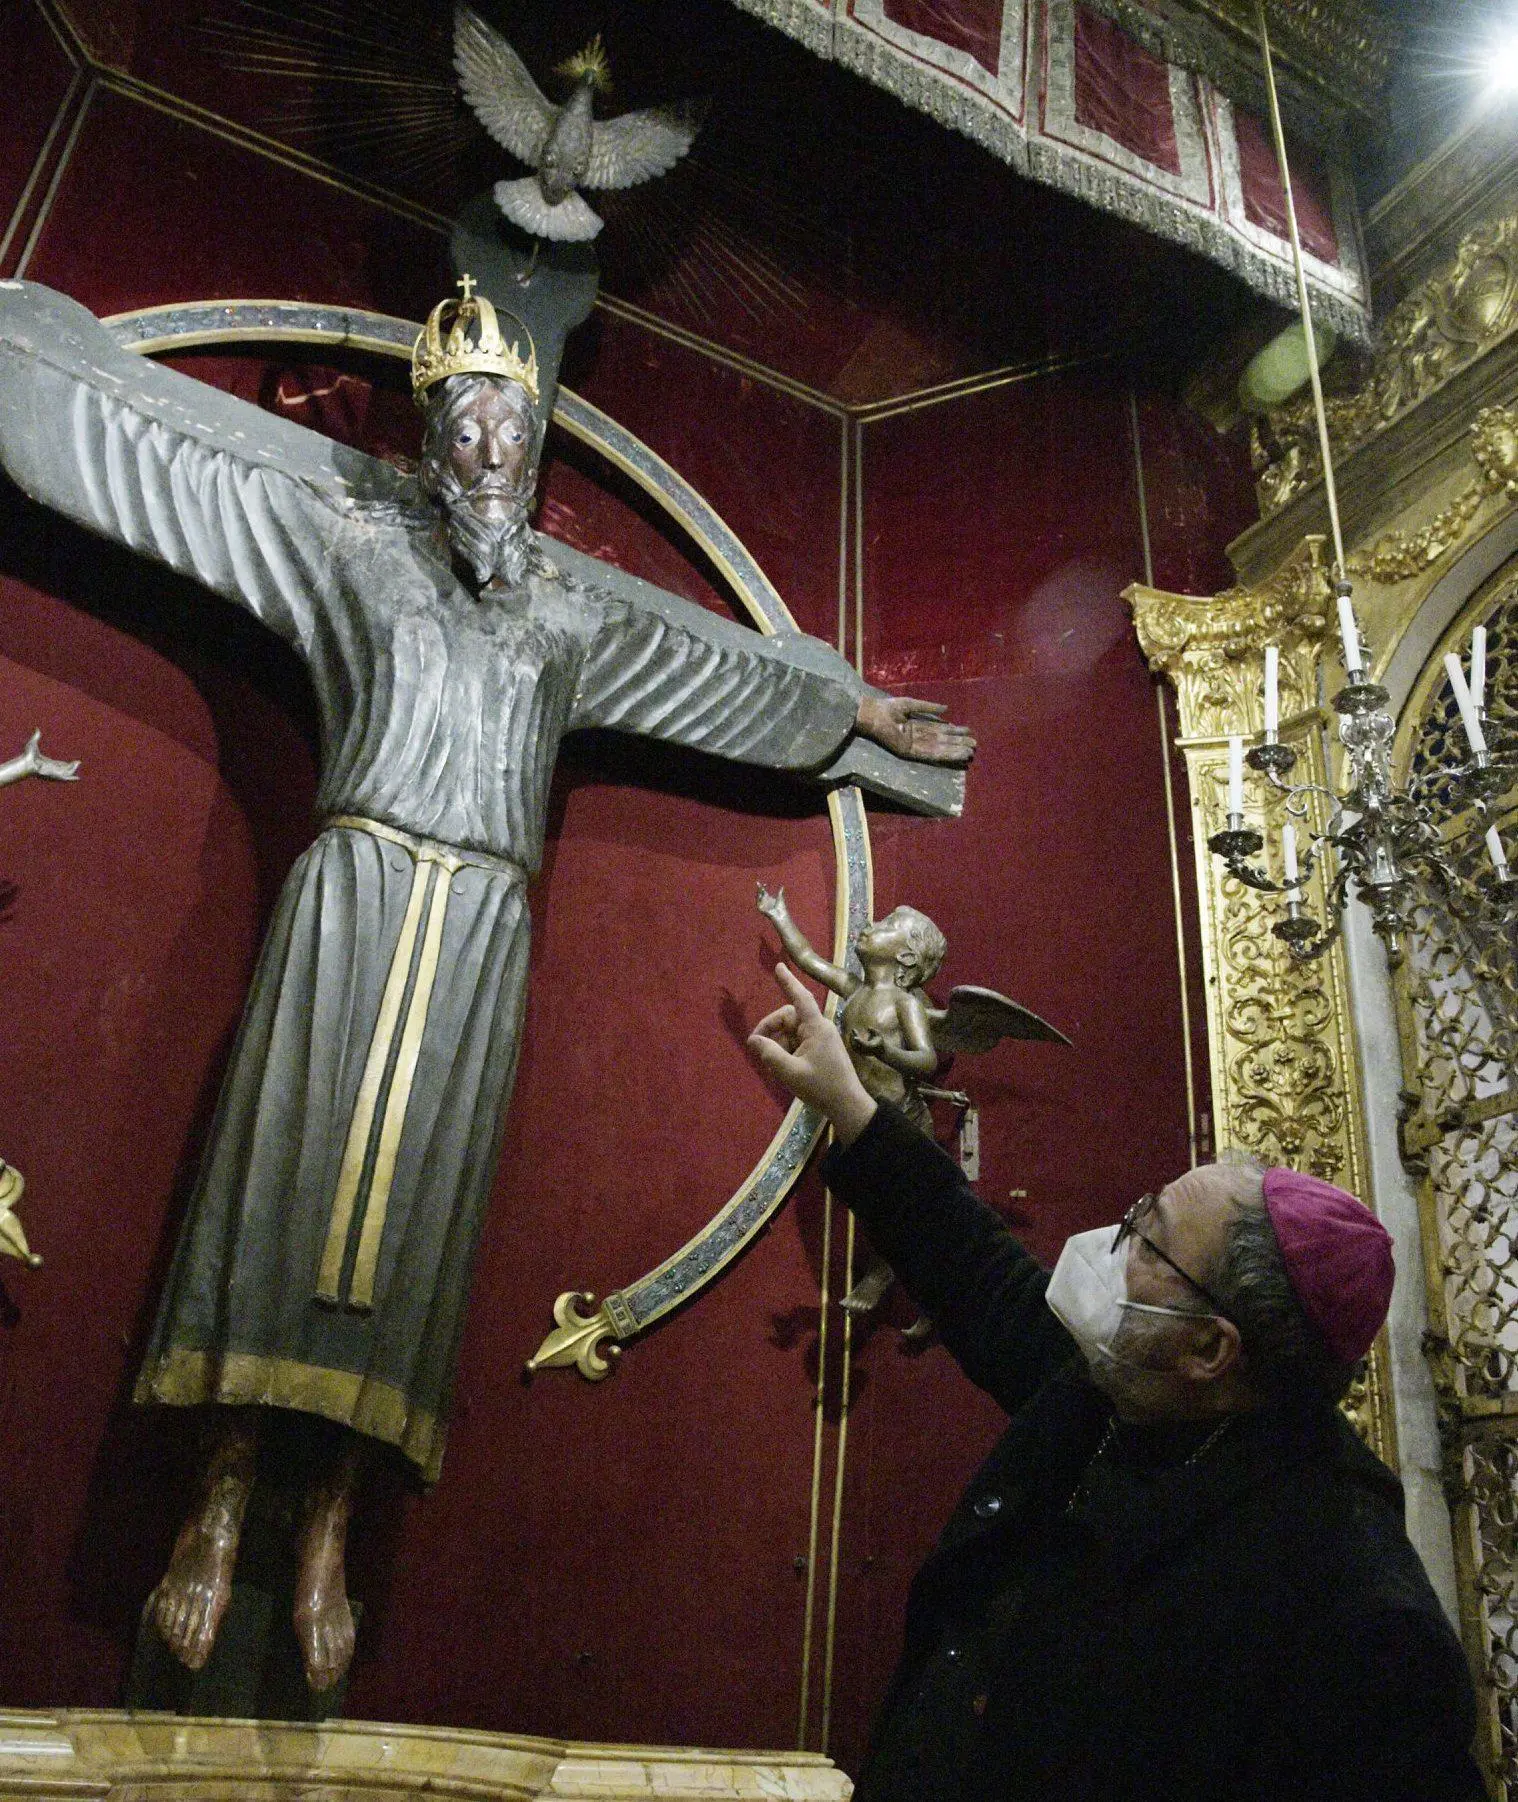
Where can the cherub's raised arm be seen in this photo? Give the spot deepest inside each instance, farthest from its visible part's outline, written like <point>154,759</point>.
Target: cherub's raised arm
<point>798,947</point>
<point>245,502</point>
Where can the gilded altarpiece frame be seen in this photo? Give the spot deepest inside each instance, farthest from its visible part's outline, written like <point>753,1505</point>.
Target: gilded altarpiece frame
<point>1284,1063</point>
<point>1457,1003</point>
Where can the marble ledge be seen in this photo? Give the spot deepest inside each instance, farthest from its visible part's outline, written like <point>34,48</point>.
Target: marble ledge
<point>124,1757</point>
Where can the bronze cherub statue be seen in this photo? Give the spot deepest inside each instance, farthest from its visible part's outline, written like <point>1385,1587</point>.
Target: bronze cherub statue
<point>894,1034</point>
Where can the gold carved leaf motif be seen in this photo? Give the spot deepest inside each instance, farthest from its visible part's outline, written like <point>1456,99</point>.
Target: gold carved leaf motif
<point>1441,326</point>
<point>1399,556</point>
<point>1211,647</point>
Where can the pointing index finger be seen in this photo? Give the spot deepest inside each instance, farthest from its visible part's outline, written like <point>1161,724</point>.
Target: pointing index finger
<point>800,995</point>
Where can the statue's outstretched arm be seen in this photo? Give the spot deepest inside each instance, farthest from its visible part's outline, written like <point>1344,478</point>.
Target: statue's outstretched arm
<point>247,503</point>
<point>666,668</point>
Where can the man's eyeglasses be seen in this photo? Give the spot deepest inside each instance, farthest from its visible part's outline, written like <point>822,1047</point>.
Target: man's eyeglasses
<point>1130,1225</point>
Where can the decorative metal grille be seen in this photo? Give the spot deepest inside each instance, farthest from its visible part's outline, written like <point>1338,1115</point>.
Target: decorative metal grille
<point>1460,1051</point>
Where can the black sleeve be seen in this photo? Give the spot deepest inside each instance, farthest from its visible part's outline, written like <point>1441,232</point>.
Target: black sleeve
<point>1384,1713</point>
<point>979,1287</point>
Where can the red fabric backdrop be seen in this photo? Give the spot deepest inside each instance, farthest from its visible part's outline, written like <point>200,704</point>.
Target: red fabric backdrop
<point>617,1562</point>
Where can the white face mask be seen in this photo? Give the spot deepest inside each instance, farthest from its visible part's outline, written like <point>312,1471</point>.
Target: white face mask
<point>1088,1293</point>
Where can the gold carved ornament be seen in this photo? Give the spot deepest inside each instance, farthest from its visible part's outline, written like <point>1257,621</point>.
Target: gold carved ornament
<point>1453,318</point>
<point>1281,1040</point>
<point>1399,556</point>
<point>1457,994</point>
<point>32,761</point>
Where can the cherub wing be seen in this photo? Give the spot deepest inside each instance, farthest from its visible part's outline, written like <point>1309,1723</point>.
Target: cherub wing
<point>247,503</point>
<point>507,101</point>
<point>978,1019</point>
<point>638,146</point>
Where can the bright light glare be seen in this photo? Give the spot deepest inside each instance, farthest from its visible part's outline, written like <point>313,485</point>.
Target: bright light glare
<point>1501,62</point>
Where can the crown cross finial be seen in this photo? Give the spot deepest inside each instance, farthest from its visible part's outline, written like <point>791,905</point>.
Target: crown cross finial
<point>463,337</point>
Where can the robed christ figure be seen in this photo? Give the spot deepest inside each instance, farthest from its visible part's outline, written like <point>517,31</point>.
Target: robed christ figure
<point>325,1258</point>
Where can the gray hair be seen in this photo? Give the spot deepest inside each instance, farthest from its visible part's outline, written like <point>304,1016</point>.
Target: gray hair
<point>1286,1354</point>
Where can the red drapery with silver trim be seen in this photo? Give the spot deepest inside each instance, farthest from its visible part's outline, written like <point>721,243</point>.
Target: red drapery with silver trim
<point>1068,95</point>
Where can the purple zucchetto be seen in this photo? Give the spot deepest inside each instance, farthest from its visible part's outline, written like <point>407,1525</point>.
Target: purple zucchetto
<point>1338,1257</point>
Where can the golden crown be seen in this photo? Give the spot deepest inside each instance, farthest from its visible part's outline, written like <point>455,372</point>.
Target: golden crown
<point>473,345</point>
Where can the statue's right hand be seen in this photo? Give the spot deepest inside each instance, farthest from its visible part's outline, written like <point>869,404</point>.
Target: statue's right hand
<point>801,1048</point>
<point>771,906</point>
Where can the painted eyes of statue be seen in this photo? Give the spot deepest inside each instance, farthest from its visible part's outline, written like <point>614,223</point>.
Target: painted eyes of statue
<point>468,434</point>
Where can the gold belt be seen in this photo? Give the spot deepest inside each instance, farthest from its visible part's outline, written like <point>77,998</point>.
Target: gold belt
<point>447,860</point>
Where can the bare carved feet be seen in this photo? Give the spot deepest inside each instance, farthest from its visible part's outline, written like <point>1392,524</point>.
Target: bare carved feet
<point>188,1605</point>
<point>323,1617</point>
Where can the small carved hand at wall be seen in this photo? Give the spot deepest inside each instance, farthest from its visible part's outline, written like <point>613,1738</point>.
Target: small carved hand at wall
<point>32,762</point>
<point>12,1238</point>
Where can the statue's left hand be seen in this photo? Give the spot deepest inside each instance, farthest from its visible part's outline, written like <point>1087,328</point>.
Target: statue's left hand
<point>914,729</point>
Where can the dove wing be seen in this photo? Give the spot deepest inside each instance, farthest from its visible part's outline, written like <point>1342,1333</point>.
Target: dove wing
<point>977,1019</point>
<point>639,145</point>
<point>496,84</point>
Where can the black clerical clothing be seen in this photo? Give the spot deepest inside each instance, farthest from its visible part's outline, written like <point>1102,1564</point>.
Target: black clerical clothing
<point>1188,1612</point>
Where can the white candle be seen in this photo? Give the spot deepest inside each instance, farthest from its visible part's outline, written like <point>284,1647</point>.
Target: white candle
<point>1478,667</point>
<point>1235,776</point>
<point>1289,854</point>
<point>1349,632</point>
<point>1467,707</point>
<point>1494,848</point>
<point>1272,689</point>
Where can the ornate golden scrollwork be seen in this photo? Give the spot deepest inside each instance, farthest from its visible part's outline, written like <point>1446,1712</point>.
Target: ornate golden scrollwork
<point>1399,556</point>
<point>1211,647</point>
<point>1446,323</point>
<point>1284,1063</point>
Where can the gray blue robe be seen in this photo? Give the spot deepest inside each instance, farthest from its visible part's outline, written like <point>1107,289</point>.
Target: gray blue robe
<point>325,1260</point>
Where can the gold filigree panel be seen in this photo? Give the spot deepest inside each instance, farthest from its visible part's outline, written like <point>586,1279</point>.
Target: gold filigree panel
<point>1458,990</point>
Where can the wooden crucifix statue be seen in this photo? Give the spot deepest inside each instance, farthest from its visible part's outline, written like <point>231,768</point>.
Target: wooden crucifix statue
<point>325,1259</point>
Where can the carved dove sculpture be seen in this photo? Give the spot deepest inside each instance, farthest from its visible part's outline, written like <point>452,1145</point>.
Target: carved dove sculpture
<point>566,146</point>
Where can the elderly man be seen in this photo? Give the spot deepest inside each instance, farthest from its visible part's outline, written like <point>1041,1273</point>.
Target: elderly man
<point>1179,1576</point>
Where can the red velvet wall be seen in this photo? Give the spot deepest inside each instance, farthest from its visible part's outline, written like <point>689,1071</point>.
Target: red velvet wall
<point>625,1561</point>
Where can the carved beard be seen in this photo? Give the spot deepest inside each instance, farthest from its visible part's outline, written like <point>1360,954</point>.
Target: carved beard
<point>490,548</point>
